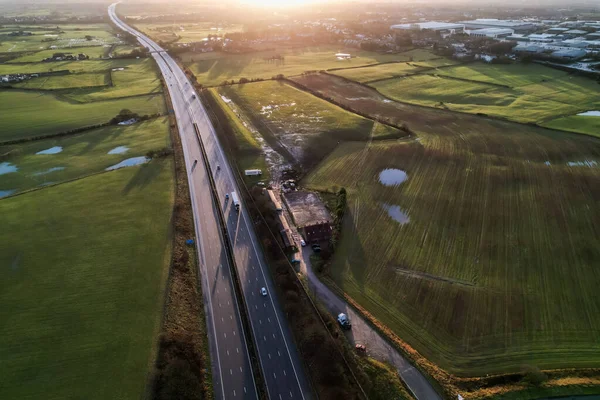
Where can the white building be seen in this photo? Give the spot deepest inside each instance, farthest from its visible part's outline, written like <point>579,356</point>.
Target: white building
<point>491,32</point>
<point>430,25</point>
<point>482,23</point>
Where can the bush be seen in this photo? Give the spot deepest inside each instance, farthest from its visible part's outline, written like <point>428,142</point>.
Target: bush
<point>533,375</point>
<point>159,153</point>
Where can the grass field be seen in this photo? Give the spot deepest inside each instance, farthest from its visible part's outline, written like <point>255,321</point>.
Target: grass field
<point>535,94</point>
<point>38,56</point>
<point>88,66</point>
<point>187,32</point>
<point>493,264</point>
<point>30,114</point>
<point>82,293</point>
<point>214,71</point>
<point>69,81</point>
<point>383,71</point>
<point>302,127</point>
<point>80,155</point>
<point>577,123</point>
<point>139,77</point>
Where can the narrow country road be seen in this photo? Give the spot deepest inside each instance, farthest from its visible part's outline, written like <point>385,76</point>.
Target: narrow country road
<point>363,333</point>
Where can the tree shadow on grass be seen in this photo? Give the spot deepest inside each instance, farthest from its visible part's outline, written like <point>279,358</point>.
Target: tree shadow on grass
<point>144,176</point>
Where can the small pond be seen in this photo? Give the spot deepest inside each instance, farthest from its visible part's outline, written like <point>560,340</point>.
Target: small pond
<point>4,193</point>
<point>130,162</point>
<point>392,177</point>
<point>396,213</point>
<point>51,150</point>
<point>590,114</point>
<point>119,150</point>
<point>7,168</point>
<point>584,163</point>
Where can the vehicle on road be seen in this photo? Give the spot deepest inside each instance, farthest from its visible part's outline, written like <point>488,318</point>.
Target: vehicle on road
<point>360,348</point>
<point>316,248</point>
<point>295,261</point>
<point>193,96</point>
<point>218,167</point>
<point>344,322</point>
<point>226,196</point>
<point>263,291</point>
<point>302,243</point>
<point>236,201</point>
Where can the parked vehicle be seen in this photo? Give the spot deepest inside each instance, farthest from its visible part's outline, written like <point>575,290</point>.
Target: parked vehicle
<point>316,247</point>
<point>360,348</point>
<point>236,201</point>
<point>252,172</point>
<point>302,243</point>
<point>343,320</point>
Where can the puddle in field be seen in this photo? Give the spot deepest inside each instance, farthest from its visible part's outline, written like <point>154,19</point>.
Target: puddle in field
<point>396,213</point>
<point>590,114</point>
<point>119,150</point>
<point>584,163</point>
<point>51,150</point>
<point>130,162</point>
<point>49,170</point>
<point>4,193</point>
<point>7,168</point>
<point>392,176</point>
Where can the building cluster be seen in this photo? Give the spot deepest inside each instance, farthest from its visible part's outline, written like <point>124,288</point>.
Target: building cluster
<point>569,40</point>
<point>67,57</point>
<point>15,78</point>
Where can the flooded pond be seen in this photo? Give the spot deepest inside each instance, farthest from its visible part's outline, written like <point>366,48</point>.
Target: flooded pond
<point>4,193</point>
<point>51,150</point>
<point>396,213</point>
<point>590,114</point>
<point>392,177</point>
<point>49,170</point>
<point>118,150</point>
<point>7,168</point>
<point>130,162</point>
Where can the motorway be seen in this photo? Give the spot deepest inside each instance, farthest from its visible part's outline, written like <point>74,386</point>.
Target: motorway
<point>232,374</point>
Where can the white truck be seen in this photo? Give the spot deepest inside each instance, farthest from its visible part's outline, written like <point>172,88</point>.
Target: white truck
<point>344,322</point>
<point>253,172</point>
<point>236,201</point>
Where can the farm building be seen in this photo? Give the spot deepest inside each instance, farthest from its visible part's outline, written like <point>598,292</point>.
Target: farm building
<point>491,32</point>
<point>274,200</point>
<point>522,48</point>
<point>310,216</point>
<point>431,26</point>
<point>517,26</point>
<point>570,54</point>
<point>343,56</point>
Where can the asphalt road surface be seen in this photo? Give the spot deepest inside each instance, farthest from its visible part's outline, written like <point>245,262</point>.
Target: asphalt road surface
<point>279,361</point>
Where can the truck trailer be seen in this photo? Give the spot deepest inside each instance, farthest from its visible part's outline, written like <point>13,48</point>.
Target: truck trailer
<point>236,201</point>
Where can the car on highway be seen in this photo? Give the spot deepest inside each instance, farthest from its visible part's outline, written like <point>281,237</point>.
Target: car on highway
<point>263,291</point>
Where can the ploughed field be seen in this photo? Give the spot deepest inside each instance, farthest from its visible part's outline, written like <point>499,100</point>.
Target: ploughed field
<point>476,241</point>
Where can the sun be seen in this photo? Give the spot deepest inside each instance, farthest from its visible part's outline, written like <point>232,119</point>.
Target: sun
<point>276,3</point>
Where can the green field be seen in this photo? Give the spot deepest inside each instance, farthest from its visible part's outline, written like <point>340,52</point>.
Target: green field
<point>430,90</point>
<point>29,114</point>
<point>38,56</point>
<point>82,291</point>
<point>485,258</point>
<point>214,71</point>
<point>138,77</point>
<point>187,32</point>
<point>68,81</point>
<point>383,71</point>
<point>302,127</point>
<point>577,123</point>
<point>87,66</point>
<point>534,94</point>
<point>81,154</point>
